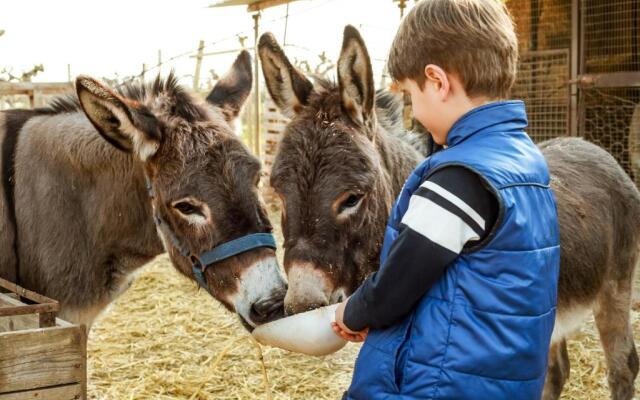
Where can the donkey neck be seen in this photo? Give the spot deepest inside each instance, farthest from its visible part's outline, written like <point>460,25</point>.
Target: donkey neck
<point>106,182</point>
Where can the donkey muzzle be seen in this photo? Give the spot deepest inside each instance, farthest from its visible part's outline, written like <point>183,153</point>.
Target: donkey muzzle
<point>309,288</point>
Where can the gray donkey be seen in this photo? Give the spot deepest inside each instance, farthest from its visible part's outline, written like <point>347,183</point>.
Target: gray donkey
<point>343,160</point>
<point>77,214</point>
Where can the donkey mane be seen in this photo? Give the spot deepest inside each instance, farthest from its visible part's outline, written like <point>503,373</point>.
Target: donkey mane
<point>183,104</point>
<point>389,109</point>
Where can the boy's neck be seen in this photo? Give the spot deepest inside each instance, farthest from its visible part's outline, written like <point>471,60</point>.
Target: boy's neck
<point>460,107</point>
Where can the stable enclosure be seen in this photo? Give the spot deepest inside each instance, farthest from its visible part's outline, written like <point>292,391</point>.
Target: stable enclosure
<point>579,72</point>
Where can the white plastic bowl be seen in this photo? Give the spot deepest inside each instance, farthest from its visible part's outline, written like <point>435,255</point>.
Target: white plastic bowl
<point>308,333</point>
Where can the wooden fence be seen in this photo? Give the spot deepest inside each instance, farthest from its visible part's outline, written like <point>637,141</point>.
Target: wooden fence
<point>37,93</point>
<point>273,125</point>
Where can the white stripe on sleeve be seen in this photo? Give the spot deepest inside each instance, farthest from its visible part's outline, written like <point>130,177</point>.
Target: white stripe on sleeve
<point>456,201</point>
<point>438,224</point>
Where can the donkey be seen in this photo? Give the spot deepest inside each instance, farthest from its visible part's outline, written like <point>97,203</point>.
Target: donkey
<point>85,179</point>
<point>343,159</point>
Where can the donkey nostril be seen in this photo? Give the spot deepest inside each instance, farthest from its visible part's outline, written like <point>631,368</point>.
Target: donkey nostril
<point>267,310</point>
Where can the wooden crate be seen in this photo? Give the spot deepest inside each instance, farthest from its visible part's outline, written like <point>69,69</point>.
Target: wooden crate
<point>41,356</point>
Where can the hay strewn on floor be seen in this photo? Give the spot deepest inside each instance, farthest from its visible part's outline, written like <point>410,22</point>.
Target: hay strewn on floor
<point>163,339</point>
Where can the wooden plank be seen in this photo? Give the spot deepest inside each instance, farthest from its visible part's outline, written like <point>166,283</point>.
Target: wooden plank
<point>21,322</point>
<point>44,357</point>
<point>261,5</point>
<point>27,88</point>
<point>29,309</point>
<point>31,295</point>
<point>16,322</point>
<point>66,392</point>
<point>9,300</point>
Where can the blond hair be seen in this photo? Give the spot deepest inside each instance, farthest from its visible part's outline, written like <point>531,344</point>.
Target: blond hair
<point>473,39</point>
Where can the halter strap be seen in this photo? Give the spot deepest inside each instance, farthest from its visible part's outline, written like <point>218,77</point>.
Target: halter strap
<point>237,246</point>
<point>219,253</point>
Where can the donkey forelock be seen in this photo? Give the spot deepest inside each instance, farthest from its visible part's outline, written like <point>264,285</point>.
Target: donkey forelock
<point>165,94</point>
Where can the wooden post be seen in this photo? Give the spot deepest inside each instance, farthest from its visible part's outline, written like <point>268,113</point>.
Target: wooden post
<point>144,71</point>
<point>69,73</point>
<point>402,4</point>
<point>256,91</point>
<point>159,61</point>
<point>196,74</point>
<point>46,320</point>
<point>38,99</point>
<point>574,129</point>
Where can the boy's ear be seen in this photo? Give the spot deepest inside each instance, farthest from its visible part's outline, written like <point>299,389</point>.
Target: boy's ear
<point>233,89</point>
<point>118,120</point>
<point>355,77</point>
<point>288,87</point>
<point>439,77</point>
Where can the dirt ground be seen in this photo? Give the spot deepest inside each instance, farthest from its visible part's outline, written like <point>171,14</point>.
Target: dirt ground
<point>164,339</point>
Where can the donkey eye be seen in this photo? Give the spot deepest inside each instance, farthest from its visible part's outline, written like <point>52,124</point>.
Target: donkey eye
<point>187,208</point>
<point>351,201</point>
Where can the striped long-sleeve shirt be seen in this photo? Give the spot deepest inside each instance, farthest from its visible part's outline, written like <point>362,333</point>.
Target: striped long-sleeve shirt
<point>452,209</point>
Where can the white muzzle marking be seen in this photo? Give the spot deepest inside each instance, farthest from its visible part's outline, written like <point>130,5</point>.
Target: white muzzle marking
<point>258,282</point>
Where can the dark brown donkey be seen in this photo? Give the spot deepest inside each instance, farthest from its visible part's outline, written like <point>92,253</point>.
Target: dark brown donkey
<point>342,162</point>
<point>77,218</point>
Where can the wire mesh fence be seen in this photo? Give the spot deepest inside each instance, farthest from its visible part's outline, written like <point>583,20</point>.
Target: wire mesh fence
<point>541,24</point>
<point>611,34</point>
<point>542,83</point>
<point>610,117</point>
<point>544,36</point>
<point>605,46</point>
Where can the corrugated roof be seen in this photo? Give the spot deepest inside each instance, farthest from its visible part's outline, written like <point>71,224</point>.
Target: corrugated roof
<point>252,5</point>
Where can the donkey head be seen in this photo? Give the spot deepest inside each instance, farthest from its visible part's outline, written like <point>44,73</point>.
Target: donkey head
<point>328,173</point>
<point>203,179</point>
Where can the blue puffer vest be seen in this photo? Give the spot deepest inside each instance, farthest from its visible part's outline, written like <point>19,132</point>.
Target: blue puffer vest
<point>483,330</point>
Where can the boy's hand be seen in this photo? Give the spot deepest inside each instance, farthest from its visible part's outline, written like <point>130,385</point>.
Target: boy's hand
<point>343,331</point>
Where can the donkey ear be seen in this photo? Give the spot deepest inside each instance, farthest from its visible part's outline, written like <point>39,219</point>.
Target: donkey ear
<point>233,89</point>
<point>355,77</point>
<point>121,124</point>
<point>288,87</point>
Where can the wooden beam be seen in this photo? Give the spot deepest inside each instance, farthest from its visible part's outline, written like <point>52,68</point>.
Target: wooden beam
<point>256,90</point>
<point>19,290</point>
<point>26,88</point>
<point>196,74</point>
<point>610,80</point>
<point>29,309</point>
<point>574,67</point>
<point>261,5</point>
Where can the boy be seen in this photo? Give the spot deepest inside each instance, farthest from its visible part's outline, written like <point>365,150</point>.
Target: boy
<point>463,305</point>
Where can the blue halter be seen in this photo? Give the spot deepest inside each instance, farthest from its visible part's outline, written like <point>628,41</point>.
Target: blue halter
<point>199,263</point>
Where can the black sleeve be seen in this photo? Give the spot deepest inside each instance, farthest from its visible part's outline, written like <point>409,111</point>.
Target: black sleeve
<point>450,210</point>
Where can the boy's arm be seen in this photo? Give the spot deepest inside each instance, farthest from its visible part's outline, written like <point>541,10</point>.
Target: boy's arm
<point>449,210</point>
